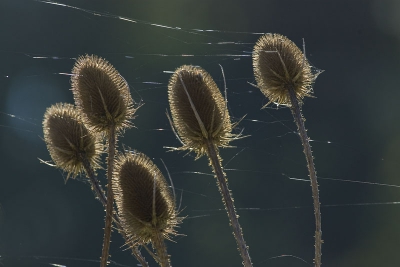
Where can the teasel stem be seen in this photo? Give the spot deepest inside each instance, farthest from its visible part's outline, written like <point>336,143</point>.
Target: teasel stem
<point>99,192</point>
<point>222,182</point>
<point>158,239</point>
<point>110,195</point>
<point>298,117</point>
<point>96,187</point>
<point>162,255</point>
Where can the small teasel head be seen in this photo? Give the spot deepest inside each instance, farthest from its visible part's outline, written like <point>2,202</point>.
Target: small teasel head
<point>68,140</point>
<point>101,94</point>
<point>145,203</point>
<point>199,111</point>
<point>279,66</point>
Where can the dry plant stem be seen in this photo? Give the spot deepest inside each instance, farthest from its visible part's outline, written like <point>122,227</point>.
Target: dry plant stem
<point>214,158</point>
<point>161,249</point>
<point>298,117</point>
<point>110,195</point>
<point>96,187</point>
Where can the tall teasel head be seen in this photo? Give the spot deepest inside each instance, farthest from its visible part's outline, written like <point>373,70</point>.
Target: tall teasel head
<point>199,111</point>
<point>280,66</point>
<point>68,140</point>
<point>145,203</point>
<point>101,94</point>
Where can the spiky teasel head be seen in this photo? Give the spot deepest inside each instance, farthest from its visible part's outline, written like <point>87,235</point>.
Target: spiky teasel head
<point>280,66</point>
<point>101,94</point>
<point>198,109</point>
<point>144,200</point>
<point>68,140</point>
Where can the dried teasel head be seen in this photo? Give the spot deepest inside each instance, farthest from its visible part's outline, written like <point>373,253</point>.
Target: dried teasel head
<point>280,66</point>
<point>199,111</point>
<point>101,94</point>
<point>68,140</point>
<point>145,203</point>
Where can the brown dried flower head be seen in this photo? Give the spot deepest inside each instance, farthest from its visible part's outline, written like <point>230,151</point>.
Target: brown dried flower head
<point>144,200</point>
<point>68,140</point>
<point>101,94</point>
<point>280,66</point>
<point>198,109</point>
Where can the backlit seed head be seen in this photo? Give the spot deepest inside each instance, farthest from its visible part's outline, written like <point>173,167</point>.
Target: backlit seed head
<point>144,200</point>
<point>279,65</point>
<point>192,92</point>
<point>68,140</point>
<point>101,94</point>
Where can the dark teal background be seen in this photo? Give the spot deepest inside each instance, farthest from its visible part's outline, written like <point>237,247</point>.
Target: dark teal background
<point>356,107</point>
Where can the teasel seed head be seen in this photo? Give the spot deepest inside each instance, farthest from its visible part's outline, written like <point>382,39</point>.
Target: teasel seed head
<point>68,140</point>
<point>279,65</point>
<point>145,203</point>
<point>101,94</point>
<point>199,111</point>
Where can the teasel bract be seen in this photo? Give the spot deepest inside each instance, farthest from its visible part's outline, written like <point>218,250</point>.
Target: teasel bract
<point>202,123</point>
<point>102,95</point>
<point>285,77</point>
<point>68,140</point>
<point>145,202</point>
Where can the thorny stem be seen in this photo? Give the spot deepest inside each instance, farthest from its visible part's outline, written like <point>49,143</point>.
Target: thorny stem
<point>298,117</point>
<point>159,245</point>
<point>110,195</point>
<point>215,161</point>
<point>99,192</point>
<point>96,187</point>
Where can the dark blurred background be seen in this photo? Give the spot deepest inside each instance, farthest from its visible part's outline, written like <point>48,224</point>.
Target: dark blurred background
<point>353,122</point>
